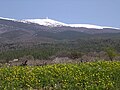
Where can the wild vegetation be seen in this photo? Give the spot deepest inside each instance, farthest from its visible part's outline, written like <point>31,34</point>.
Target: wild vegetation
<point>80,76</point>
<point>43,51</point>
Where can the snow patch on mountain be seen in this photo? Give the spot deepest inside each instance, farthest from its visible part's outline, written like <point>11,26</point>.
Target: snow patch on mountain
<point>46,22</point>
<point>90,26</point>
<point>54,23</point>
<point>8,19</point>
<point>86,26</point>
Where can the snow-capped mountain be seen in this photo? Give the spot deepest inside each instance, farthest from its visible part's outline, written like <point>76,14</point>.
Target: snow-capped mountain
<point>45,22</point>
<point>54,23</point>
<point>49,30</point>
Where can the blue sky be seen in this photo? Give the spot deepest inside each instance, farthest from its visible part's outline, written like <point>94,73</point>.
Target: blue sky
<point>99,12</point>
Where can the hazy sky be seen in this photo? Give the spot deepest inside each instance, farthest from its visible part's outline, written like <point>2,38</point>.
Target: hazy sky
<point>99,12</point>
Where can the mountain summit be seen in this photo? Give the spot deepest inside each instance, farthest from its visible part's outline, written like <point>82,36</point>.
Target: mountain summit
<point>46,22</point>
<point>48,30</point>
<point>54,23</point>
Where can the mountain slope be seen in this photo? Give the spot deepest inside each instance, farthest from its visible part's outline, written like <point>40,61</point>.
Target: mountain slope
<point>41,30</point>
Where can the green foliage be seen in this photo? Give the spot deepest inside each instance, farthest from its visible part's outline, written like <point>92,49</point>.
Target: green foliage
<point>81,76</point>
<point>75,55</point>
<point>111,53</point>
<point>36,53</point>
<point>10,51</point>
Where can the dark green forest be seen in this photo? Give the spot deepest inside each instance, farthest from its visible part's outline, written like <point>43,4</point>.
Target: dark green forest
<point>43,51</point>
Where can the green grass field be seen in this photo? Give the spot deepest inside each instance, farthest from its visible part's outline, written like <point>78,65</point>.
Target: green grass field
<point>82,76</point>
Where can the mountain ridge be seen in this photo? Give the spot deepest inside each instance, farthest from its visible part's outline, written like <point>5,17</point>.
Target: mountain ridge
<point>54,23</point>
<point>12,30</point>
